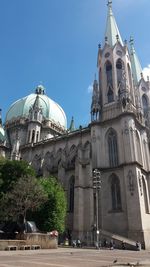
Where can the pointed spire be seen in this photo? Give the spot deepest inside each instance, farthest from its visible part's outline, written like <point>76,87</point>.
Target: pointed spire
<point>135,63</point>
<point>37,102</point>
<point>72,126</point>
<point>111,28</point>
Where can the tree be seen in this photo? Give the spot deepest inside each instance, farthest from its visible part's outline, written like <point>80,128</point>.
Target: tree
<point>51,215</point>
<point>21,193</point>
<point>11,171</point>
<point>27,194</point>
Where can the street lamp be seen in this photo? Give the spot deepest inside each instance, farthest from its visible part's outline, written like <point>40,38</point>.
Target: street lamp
<point>96,187</point>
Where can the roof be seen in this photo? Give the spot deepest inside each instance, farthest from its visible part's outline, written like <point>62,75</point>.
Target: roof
<point>135,63</point>
<point>50,109</point>
<point>112,32</point>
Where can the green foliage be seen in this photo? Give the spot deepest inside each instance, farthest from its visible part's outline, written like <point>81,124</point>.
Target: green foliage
<point>11,171</point>
<point>51,215</point>
<point>21,193</point>
<point>27,194</point>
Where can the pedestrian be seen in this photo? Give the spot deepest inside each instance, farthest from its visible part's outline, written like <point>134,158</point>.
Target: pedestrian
<point>111,245</point>
<point>138,245</point>
<point>105,243</point>
<point>123,245</point>
<point>78,243</point>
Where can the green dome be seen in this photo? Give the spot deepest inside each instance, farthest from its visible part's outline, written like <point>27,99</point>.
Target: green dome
<point>51,110</point>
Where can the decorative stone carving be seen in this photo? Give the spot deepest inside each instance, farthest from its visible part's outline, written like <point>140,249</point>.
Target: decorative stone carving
<point>48,162</point>
<point>123,92</point>
<point>131,185</point>
<point>93,136</point>
<point>95,106</point>
<point>140,183</point>
<point>126,128</point>
<point>84,154</point>
<point>36,163</point>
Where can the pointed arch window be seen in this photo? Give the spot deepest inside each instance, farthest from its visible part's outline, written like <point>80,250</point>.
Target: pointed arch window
<point>37,136</point>
<point>115,193</point>
<point>145,104</point>
<point>71,194</point>
<point>110,95</point>
<point>35,115</point>
<point>33,136</point>
<point>109,74</point>
<point>119,67</point>
<point>112,148</point>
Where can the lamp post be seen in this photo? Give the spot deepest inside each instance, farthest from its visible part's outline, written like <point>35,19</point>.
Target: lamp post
<point>96,187</point>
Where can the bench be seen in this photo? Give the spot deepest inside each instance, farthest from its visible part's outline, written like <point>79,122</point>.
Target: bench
<point>25,247</point>
<point>11,247</point>
<point>35,247</point>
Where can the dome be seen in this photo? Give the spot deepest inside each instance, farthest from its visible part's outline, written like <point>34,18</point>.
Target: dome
<point>51,110</point>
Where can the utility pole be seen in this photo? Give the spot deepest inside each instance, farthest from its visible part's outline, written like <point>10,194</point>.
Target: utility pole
<point>96,188</point>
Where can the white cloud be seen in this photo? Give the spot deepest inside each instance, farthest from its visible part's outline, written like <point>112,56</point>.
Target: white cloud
<point>146,72</point>
<point>90,89</point>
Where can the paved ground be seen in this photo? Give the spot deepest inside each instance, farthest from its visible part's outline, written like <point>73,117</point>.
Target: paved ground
<point>69,257</point>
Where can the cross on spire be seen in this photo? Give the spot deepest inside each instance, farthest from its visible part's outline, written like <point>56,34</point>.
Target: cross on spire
<point>111,27</point>
<point>109,3</point>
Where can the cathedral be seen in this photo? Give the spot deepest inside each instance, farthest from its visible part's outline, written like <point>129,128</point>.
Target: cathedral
<point>114,147</point>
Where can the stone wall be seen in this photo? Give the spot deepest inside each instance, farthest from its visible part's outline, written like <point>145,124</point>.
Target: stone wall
<point>44,240</point>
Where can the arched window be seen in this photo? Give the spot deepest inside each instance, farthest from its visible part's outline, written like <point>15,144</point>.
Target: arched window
<point>71,194</point>
<point>145,104</point>
<point>115,193</point>
<point>33,136</point>
<point>35,115</point>
<point>112,148</point>
<point>37,136</point>
<point>110,95</point>
<point>119,67</point>
<point>109,74</point>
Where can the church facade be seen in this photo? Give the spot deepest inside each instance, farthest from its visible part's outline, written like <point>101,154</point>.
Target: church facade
<point>116,143</point>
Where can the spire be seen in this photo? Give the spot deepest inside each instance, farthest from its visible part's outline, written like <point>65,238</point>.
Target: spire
<point>135,63</point>
<point>72,126</point>
<point>112,32</point>
<point>95,105</point>
<point>37,102</point>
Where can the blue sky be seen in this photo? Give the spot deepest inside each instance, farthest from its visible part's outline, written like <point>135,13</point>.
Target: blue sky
<point>55,42</point>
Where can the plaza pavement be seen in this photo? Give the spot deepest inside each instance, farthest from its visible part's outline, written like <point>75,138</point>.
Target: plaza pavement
<point>74,257</point>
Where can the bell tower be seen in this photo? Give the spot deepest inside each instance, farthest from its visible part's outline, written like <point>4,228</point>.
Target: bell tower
<point>115,87</point>
<point>120,136</point>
